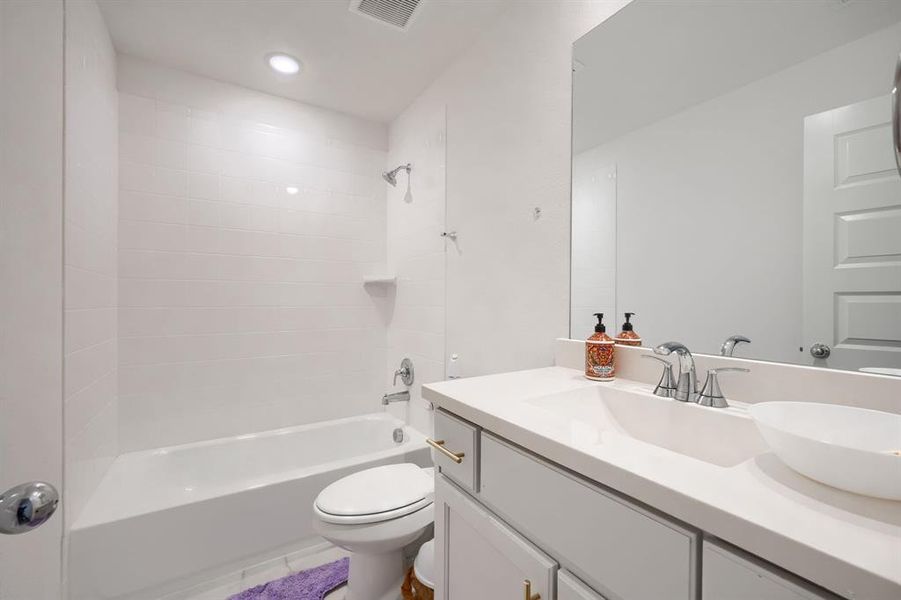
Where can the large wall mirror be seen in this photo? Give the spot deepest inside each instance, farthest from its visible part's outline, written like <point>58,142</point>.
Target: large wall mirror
<point>734,172</point>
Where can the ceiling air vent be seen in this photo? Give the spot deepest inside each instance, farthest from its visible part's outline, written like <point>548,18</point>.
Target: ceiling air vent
<point>396,13</point>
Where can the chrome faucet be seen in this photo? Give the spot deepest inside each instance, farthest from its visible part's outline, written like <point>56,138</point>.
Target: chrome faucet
<point>687,383</point>
<point>731,342</point>
<point>403,396</point>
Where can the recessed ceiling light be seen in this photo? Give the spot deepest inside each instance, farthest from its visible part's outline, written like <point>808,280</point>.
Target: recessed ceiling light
<point>283,63</point>
<point>292,190</point>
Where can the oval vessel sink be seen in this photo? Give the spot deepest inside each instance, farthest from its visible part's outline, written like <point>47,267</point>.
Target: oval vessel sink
<point>853,449</point>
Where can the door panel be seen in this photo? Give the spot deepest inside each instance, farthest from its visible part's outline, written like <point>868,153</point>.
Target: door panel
<point>478,556</point>
<point>852,236</point>
<point>31,110</point>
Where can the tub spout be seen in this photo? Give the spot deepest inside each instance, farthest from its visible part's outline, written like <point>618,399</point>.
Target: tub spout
<point>403,396</point>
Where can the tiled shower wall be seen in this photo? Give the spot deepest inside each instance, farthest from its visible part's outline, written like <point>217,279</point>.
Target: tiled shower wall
<point>91,201</point>
<point>247,223</point>
<point>416,253</point>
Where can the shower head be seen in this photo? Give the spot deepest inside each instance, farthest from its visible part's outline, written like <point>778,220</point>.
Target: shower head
<point>391,176</point>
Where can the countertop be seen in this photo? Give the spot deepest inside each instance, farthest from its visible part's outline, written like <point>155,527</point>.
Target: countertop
<point>844,542</point>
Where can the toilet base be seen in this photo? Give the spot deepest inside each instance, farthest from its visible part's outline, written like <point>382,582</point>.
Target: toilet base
<point>375,576</point>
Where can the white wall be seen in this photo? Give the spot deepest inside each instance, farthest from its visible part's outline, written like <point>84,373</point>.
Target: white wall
<point>416,254</point>
<point>242,306</point>
<point>710,204</point>
<point>91,208</point>
<point>508,151</point>
<point>31,277</point>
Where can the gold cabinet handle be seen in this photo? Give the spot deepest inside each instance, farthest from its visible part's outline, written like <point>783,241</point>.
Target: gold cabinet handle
<point>438,445</point>
<point>528,595</point>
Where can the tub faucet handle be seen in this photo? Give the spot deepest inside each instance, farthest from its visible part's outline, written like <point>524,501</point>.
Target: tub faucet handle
<point>405,371</point>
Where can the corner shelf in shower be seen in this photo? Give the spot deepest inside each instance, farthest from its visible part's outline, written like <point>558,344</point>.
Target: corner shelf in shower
<point>381,279</point>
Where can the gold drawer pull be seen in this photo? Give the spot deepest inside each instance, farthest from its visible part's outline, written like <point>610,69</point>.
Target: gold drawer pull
<point>528,591</point>
<point>438,445</point>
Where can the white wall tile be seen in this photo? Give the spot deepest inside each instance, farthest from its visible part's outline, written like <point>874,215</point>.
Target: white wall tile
<point>416,253</point>
<point>241,304</point>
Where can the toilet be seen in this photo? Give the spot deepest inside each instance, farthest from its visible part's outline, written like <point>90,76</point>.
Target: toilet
<point>375,514</point>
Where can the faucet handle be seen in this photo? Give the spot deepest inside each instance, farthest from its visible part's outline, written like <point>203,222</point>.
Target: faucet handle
<point>405,371</point>
<point>711,394</point>
<point>666,387</point>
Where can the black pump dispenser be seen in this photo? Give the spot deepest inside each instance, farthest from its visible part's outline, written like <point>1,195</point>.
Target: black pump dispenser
<point>600,327</point>
<point>628,326</point>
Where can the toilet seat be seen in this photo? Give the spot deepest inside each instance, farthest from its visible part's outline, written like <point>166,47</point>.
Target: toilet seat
<point>376,495</point>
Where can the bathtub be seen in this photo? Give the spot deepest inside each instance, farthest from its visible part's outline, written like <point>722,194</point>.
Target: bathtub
<point>165,519</point>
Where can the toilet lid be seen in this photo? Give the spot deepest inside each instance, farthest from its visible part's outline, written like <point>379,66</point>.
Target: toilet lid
<point>377,494</point>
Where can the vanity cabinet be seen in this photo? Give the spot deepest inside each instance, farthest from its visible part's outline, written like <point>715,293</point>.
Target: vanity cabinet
<point>570,588</point>
<point>507,519</point>
<point>481,557</point>
<point>608,541</point>
<point>733,575</point>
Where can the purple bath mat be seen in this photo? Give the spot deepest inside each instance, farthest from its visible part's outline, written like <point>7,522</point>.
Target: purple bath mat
<point>312,584</point>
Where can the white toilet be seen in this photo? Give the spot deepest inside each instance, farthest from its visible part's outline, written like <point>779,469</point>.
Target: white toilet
<point>375,514</point>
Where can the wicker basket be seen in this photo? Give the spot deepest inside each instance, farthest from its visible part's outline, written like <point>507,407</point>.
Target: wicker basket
<point>412,589</point>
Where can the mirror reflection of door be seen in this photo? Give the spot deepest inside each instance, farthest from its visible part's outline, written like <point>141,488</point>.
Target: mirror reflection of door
<point>852,236</point>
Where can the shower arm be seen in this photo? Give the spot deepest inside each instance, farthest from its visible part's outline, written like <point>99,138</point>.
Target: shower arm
<point>407,167</point>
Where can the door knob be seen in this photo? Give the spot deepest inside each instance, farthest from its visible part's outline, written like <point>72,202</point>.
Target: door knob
<point>820,351</point>
<point>27,506</point>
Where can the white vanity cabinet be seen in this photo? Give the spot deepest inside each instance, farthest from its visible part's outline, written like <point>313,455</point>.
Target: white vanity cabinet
<point>508,519</point>
<point>732,575</point>
<point>611,543</point>
<point>570,588</point>
<point>479,557</point>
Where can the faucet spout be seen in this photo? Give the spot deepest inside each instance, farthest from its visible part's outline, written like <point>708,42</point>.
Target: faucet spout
<point>687,384</point>
<point>403,396</point>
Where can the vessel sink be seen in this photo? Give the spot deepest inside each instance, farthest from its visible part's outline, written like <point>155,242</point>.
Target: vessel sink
<point>850,448</point>
<point>721,437</point>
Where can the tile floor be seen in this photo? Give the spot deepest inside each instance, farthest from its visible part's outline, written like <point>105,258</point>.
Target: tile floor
<point>268,571</point>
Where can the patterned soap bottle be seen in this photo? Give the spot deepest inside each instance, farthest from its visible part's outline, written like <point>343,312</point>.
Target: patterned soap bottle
<point>599,349</point>
<point>627,336</point>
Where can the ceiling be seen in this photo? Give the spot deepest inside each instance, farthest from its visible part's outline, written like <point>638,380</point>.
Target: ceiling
<point>351,63</point>
<point>654,59</point>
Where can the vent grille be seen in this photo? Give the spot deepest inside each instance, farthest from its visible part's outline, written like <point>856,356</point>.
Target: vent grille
<point>396,13</point>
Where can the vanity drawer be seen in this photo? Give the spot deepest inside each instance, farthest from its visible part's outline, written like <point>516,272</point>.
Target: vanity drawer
<point>455,449</point>
<point>731,574</point>
<point>618,548</point>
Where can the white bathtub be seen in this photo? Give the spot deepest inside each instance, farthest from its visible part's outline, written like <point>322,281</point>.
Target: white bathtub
<point>167,518</point>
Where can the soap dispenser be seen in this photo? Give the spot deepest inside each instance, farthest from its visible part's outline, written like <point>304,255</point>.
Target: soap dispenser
<point>627,336</point>
<point>599,348</point>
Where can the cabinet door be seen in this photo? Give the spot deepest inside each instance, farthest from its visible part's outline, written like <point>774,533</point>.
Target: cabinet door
<point>729,575</point>
<point>478,556</point>
<point>569,587</point>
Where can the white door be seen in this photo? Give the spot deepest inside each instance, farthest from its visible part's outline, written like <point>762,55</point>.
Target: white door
<point>852,237</point>
<point>31,115</point>
<point>480,557</point>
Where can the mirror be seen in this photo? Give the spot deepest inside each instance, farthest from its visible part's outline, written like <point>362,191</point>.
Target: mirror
<point>734,173</point>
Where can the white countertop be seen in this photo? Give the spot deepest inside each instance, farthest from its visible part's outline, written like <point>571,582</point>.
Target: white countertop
<point>846,543</point>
